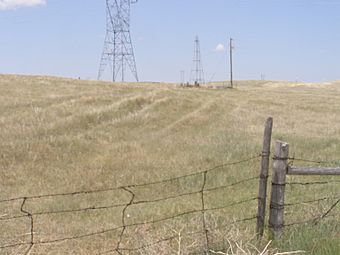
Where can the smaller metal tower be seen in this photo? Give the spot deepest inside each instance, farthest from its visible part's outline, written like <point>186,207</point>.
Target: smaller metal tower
<point>197,74</point>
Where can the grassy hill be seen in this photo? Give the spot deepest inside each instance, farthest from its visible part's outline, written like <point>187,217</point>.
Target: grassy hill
<point>61,136</point>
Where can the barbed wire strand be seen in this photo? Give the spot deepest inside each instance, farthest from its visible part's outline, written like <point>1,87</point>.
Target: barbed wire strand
<point>197,173</point>
<point>129,225</point>
<point>232,204</point>
<point>134,203</point>
<point>330,209</point>
<point>60,194</point>
<point>184,235</point>
<point>80,236</point>
<point>227,225</point>
<point>14,218</point>
<point>313,183</point>
<point>317,219</point>
<point>142,223</point>
<point>315,161</point>
<point>166,198</point>
<point>312,220</point>
<point>14,245</point>
<point>188,213</point>
<point>155,221</point>
<point>166,239</point>
<point>232,184</point>
<point>196,192</point>
<point>131,202</point>
<point>133,185</point>
<point>236,221</point>
<point>312,201</point>
<point>30,215</point>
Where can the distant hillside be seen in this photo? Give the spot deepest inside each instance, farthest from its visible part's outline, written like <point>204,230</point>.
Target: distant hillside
<point>61,136</point>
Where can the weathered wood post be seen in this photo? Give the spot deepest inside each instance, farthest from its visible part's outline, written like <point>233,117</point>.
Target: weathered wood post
<point>261,211</point>
<point>277,200</point>
<point>313,171</point>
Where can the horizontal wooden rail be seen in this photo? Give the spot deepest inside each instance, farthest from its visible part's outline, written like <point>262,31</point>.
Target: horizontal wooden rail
<point>313,170</point>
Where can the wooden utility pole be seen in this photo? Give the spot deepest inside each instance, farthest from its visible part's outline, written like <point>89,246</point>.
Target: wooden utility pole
<point>231,63</point>
<point>182,77</point>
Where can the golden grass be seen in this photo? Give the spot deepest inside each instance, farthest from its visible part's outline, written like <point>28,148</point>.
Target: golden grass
<point>61,135</point>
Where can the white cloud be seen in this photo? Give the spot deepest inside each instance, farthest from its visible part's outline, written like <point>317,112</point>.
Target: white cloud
<point>14,4</point>
<point>219,48</point>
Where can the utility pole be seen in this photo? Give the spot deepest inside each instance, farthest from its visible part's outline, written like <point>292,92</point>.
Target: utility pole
<point>118,51</point>
<point>182,77</point>
<point>231,62</point>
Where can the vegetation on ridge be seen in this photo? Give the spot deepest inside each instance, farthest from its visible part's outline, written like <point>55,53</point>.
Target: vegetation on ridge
<point>61,135</point>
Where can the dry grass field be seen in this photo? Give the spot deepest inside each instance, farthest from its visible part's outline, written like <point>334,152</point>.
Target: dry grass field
<point>63,136</point>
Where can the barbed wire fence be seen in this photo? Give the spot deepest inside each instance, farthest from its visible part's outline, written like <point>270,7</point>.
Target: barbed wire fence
<point>205,230</point>
<point>283,166</point>
<point>201,210</point>
<point>333,200</point>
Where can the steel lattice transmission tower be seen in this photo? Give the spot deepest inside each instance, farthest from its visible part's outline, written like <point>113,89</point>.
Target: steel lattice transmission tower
<point>118,51</point>
<point>197,74</point>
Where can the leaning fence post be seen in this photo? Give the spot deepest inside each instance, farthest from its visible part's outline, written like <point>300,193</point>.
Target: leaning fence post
<point>278,189</point>
<point>261,211</point>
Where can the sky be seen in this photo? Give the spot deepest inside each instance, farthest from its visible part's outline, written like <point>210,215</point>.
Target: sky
<point>295,40</point>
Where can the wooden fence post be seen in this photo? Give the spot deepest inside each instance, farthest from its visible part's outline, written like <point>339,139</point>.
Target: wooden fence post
<point>261,211</point>
<point>277,199</point>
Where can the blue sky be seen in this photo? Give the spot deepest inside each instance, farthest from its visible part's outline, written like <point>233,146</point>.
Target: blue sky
<point>283,39</point>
